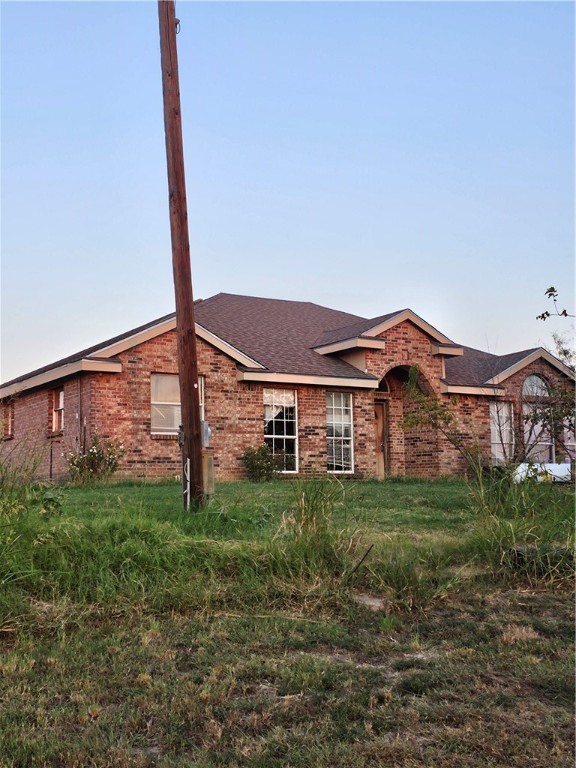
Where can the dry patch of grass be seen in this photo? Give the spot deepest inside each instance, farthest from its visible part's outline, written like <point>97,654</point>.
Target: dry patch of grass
<point>478,680</point>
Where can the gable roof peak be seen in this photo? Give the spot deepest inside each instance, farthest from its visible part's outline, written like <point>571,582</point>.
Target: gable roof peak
<point>477,368</point>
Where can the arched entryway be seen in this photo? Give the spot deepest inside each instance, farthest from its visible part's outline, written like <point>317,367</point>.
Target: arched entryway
<point>401,450</point>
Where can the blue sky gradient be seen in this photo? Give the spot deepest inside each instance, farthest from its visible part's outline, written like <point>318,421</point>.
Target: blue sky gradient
<point>365,156</point>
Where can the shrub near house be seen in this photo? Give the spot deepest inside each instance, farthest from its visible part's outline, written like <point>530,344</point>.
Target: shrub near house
<point>323,389</point>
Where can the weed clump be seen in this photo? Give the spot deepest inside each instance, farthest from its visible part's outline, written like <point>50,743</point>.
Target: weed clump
<point>307,538</point>
<point>99,461</point>
<point>524,531</point>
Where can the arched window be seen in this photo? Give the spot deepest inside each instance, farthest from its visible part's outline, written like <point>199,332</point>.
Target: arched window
<point>535,386</point>
<point>537,416</point>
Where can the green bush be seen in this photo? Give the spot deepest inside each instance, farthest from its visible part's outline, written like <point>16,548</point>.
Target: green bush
<point>260,463</point>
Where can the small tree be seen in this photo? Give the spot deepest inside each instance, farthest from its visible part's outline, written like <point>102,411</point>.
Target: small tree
<point>431,412</point>
<point>564,349</point>
<point>552,415</point>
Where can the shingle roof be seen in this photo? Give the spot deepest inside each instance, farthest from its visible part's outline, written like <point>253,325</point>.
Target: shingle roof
<point>280,335</point>
<point>354,330</point>
<point>277,334</point>
<point>475,367</point>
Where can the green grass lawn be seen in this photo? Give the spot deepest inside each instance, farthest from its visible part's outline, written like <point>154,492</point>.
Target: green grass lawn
<point>286,624</point>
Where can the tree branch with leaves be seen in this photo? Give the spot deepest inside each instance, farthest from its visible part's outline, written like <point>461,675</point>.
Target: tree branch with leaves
<point>429,411</point>
<point>552,293</point>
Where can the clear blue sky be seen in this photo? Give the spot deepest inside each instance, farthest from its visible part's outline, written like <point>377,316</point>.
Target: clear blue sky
<point>364,156</point>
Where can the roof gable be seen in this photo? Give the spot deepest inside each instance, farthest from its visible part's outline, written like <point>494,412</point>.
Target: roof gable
<point>483,369</point>
<point>513,366</point>
<point>373,328</point>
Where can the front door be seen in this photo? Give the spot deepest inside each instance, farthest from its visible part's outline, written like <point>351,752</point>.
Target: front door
<point>381,418</point>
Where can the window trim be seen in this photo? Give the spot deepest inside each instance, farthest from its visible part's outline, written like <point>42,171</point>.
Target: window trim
<point>57,426</point>
<point>296,437</point>
<point>350,439</point>
<point>532,431</point>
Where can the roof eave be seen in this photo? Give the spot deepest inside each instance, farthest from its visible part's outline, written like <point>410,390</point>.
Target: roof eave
<point>111,350</point>
<point>271,377</point>
<point>446,350</point>
<point>85,365</point>
<point>471,389</point>
<point>346,345</point>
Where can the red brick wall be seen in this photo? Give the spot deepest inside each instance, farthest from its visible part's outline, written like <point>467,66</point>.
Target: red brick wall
<point>413,452</point>
<point>234,410</point>
<point>472,423</point>
<point>473,416</point>
<point>33,440</point>
<point>406,345</point>
<point>117,405</point>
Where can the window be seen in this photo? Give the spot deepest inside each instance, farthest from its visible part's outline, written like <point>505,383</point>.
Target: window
<point>7,425</point>
<point>339,432</point>
<point>501,431</point>
<point>535,386</point>
<point>538,440</point>
<point>165,411</point>
<point>569,440</point>
<point>280,427</point>
<point>537,417</point>
<point>58,410</point>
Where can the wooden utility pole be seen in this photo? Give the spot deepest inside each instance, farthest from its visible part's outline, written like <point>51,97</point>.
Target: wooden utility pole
<point>185,327</point>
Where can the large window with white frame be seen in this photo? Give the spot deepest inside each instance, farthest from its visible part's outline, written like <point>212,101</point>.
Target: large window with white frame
<point>537,418</point>
<point>501,431</point>
<point>339,432</point>
<point>281,427</point>
<point>535,387</point>
<point>165,410</point>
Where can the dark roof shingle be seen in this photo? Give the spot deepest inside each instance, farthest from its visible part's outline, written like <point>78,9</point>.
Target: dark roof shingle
<point>280,335</point>
<point>277,334</point>
<point>354,330</point>
<point>475,367</point>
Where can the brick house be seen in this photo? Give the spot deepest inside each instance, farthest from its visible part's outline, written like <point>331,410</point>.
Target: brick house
<point>324,389</point>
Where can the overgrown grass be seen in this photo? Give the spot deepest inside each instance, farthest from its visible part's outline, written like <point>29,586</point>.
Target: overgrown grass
<point>413,541</point>
<point>288,624</point>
